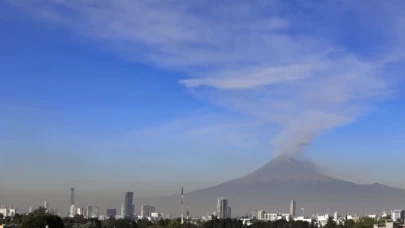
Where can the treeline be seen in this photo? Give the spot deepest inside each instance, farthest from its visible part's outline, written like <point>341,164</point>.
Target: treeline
<point>40,219</point>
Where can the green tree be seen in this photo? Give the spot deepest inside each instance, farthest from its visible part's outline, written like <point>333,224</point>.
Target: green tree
<point>330,224</point>
<point>349,223</point>
<point>174,224</point>
<point>7,220</point>
<point>41,220</point>
<point>18,219</point>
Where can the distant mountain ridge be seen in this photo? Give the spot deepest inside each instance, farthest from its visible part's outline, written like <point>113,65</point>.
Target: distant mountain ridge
<point>283,179</point>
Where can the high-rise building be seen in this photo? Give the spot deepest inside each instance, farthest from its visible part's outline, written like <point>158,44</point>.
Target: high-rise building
<point>146,210</point>
<point>80,211</point>
<point>229,215</point>
<point>260,214</point>
<point>292,208</point>
<point>111,213</point>
<point>222,208</point>
<point>72,211</point>
<point>92,212</point>
<point>30,209</point>
<point>72,196</point>
<point>129,205</point>
<point>46,205</point>
<point>122,211</point>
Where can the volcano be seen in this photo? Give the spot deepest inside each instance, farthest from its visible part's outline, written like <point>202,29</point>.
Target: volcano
<point>283,179</point>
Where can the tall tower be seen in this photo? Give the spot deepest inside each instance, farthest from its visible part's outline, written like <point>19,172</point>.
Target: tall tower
<point>292,208</point>
<point>222,208</point>
<point>182,207</point>
<point>122,211</point>
<point>129,204</point>
<point>46,205</point>
<point>72,196</point>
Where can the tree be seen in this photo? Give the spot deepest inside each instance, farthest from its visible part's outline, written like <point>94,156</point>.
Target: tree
<point>7,220</point>
<point>1,216</point>
<point>349,223</point>
<point>34,220</point>
<point>174,224</point>
<point>330,224</point>
<point>17,219</point>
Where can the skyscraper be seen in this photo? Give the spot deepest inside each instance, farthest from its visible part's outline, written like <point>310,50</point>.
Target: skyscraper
<point>72,211</point>
<point>292,208</point>
<point>182,206</point>
<point>229,215</point>
<point>72,196</point>
<point>222,208</point>
<point>122,211</point>
<point>46,205</point>
<point>129,205</point>
<point>147,210</point>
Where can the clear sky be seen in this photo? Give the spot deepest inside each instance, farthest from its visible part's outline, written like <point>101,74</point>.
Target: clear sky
<point>142,95</point>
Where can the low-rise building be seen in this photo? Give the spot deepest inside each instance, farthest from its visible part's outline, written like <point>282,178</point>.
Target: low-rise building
<point>388,225</point>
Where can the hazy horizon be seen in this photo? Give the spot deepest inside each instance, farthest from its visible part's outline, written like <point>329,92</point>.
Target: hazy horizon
<point>144,95</point>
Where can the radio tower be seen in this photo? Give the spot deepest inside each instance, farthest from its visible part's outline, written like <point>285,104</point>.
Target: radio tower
<point>182,197</point>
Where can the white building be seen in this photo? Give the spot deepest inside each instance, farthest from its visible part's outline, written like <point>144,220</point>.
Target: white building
<point>293,208</point>
<point>397,215</point>
<point>246,222</point>
<point>30,209</point>
<point>286,217</point>
<point>373,216</point>
<point>260,214</point>
<point>270,217</point>
<point>7,212</point>
<point>72,211</point>
<point>156,215</point>
<point>301,218</point>
<point>147,210</point>
<point>336,216</point>
<point>46,205</point>
<point>122,211</point>
<point>323,219</point>
<point>80,211</point>
<point>222,208</point>
<point>92,212</point>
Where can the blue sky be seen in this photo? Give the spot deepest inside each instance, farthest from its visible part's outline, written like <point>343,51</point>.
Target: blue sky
<point>143,91</point>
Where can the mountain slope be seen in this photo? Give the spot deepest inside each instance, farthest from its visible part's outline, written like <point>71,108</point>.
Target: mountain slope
<point>283,179</point>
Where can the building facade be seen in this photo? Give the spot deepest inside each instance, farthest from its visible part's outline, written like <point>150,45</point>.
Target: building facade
<point>112,212</point>
<point>72,211</point>
<point>46,205</point>
<point>92,212</point>
<point>222,208</point>
<point>293,209</point>
<point>260,214</point>
<point>129,205</point>
<point>397,215</point>
<point>147,210</point>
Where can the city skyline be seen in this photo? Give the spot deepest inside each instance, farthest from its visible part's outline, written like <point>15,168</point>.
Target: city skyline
<point>101,98</point>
